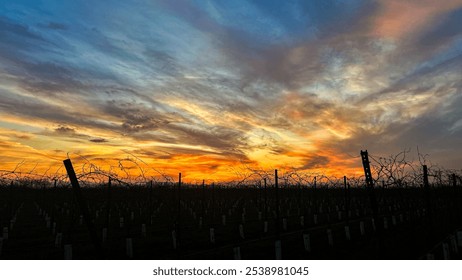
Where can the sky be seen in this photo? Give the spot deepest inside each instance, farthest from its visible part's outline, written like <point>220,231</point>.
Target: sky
<point>214,88</point>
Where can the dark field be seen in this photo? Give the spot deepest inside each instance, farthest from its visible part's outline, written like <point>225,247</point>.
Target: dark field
<point>214,222</point>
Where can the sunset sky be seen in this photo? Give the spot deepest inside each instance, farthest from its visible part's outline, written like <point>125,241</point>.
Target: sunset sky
<point>210,87</point>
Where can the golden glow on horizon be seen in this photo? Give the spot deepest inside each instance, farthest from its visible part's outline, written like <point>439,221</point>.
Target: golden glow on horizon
<point>39,152</point>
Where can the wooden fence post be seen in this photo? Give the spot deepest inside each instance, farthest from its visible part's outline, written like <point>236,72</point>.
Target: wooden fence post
<point>83,206</point>
<point>178,220</point>
<point>277,202</point>
<point>266,200</point>
<point>427,198</point>
<point>347,198</point>
<point>370,187</point>
<point>108,203</point>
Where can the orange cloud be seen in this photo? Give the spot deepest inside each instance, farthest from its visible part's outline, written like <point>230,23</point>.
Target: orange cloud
<point>398,19</point>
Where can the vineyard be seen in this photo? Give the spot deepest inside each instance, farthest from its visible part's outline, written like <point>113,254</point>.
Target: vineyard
<point>403,211</point>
